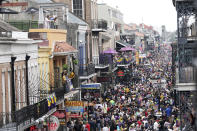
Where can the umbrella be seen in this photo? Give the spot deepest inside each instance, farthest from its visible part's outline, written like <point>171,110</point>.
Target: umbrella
<point>7,11</point>
<point>112,102</point>
<point>127,49</point>
<point>110,51</point>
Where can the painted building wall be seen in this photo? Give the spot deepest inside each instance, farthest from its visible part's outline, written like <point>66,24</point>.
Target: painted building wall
<point>111,15</point>
<point>114,20</point>
<point>43,63</point>
<point>52,35</point>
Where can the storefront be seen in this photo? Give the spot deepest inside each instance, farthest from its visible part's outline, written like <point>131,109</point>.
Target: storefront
<point>90,91</point>
<point>105,81</point>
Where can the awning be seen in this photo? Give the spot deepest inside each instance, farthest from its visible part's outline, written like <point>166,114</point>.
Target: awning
<point>124,44</point>
<point>63,48</point>
<point>91,86</point>
<point>7,11</point>
<point>185,87</point>
<point>71,94</point>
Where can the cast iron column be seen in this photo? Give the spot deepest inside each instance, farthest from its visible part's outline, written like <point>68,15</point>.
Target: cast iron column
<point>13,84</point>
<point>27,86</point>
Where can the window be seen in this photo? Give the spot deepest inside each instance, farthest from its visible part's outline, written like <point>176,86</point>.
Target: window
<point>77,8</point>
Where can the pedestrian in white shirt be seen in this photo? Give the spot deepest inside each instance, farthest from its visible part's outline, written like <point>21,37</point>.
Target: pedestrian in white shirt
<point>105,128</point>
<point>156,126</point>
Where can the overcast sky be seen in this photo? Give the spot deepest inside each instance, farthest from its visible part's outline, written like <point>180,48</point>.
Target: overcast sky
<point>151,12</point>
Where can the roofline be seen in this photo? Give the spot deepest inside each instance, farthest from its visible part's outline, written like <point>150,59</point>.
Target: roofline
<point>64,53</point>
<point>79,18</point>
<point>51,4</point>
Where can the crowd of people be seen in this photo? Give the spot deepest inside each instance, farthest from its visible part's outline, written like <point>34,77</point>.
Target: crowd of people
<point>145,103</point>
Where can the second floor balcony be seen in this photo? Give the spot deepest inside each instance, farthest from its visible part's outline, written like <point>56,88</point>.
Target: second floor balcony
<point>187,75</point>
<point>45,16</point>
<point>102,61</point>
<point>86,72</point>
<point>99,25</point>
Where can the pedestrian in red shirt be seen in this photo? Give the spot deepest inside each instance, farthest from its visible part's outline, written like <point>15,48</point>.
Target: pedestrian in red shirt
<point>87,126</point>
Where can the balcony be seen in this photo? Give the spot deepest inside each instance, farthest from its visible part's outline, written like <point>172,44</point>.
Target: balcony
<point>87,72</point>
<point>103,61</point>
<point>26,116</point>
<point>24,25</point>
<point>187,75</point>
<point>99,25</point>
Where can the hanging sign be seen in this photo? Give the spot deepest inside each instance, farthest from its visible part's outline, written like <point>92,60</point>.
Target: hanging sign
<point>61,115</point>
<point>53,123</point>
<point>74,106</point>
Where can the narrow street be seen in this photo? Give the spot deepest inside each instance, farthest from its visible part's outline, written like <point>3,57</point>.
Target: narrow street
<point>98,65</point>
<point>144,103</point>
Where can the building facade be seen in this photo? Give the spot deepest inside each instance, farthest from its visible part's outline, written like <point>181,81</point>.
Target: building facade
<point>19,72</point>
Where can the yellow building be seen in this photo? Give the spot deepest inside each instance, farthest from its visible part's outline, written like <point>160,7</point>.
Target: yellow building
<point>53,56</point>
<point>43,62</point>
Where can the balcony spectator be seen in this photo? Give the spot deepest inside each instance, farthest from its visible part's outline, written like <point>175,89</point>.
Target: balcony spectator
<point>47,22</point>
<point>56,23</point>
<point>65,80</point>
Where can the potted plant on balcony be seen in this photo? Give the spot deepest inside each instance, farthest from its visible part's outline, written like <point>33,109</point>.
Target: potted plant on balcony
<point>75,61</point>
<point>65,67</point>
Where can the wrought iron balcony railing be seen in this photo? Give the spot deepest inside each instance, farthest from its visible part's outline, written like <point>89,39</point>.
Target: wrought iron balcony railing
<point>86,71</point>
<point>187,75</point>
<point>24,25</point>
<point>99,24</point>
<point>105,59</point>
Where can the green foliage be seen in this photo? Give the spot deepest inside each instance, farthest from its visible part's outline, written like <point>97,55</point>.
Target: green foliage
<point>75,61</point>
<point>65,67</point>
